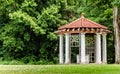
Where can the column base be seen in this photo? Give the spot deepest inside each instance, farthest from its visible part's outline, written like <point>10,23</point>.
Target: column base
<point>104,62</point>
<point>98,62</point>
<point>67,63</point>
<point>61,63</point>
<point>83,63</point>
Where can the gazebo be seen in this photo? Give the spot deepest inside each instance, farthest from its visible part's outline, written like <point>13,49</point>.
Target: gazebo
<point>87,38</point>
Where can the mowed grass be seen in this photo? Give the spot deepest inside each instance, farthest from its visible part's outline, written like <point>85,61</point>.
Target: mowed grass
<point>60,69</point>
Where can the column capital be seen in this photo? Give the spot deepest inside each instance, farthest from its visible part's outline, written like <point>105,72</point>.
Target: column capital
<point>98,33</point>
<point>60,34</point>
<point>83,33</point>
<point>67,33</point>
<point>104,34</point>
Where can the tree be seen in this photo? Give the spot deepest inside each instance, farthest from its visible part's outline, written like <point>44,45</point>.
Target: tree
<point>116,22</point>
<point>29,30</point>
<point>116,32</point>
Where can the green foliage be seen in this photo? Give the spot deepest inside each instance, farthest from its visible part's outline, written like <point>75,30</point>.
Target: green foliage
<point>12,62</point>
<point>116,3</point>
<point>26,20</point>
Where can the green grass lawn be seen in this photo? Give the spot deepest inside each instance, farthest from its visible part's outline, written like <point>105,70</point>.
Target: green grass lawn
<point>60,69</point>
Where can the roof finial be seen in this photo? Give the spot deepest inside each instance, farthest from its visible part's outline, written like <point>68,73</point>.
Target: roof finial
<point>83,14</point>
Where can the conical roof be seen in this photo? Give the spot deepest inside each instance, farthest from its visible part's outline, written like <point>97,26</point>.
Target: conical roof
<point>82,23</point>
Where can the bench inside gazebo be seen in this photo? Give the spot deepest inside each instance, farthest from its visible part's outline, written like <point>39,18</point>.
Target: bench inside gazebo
<point>86,38</point>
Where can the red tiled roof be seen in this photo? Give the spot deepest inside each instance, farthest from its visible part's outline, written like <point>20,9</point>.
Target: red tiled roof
<point>82,23</point>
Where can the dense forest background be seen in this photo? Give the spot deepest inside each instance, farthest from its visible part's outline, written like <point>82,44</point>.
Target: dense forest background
<point>27,27</point>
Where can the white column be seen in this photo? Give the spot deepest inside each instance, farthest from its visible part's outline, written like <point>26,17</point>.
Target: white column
<point>67,50</point>
<point>61,58</point>
<point>98,48</point>
<point>83,48</point>
<point>104,49</point>
<point>79,60</point>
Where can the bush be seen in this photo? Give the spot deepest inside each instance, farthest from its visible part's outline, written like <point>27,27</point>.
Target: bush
<point>15,62</point>
<point>4,62</point>
<point>29,59</point>
<point>42,61</point>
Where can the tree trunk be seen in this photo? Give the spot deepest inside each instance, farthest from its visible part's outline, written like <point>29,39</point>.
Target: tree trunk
<point>116,22</point>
